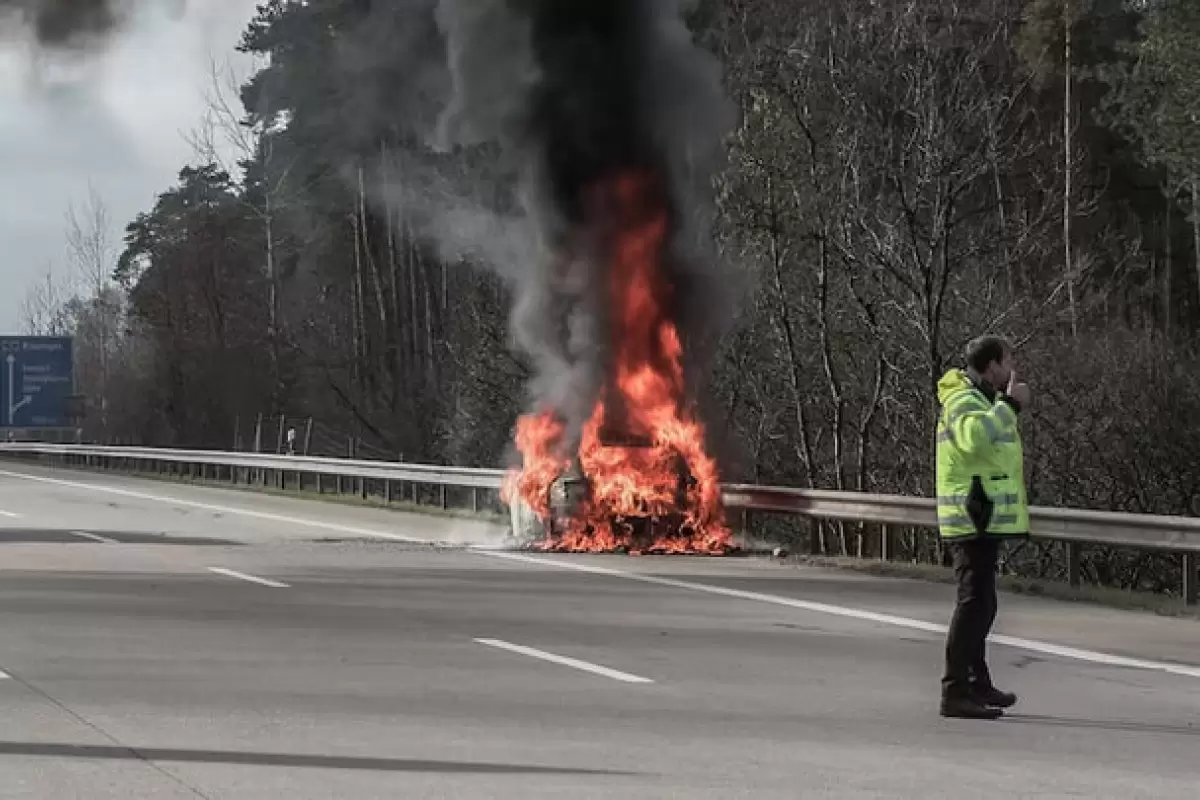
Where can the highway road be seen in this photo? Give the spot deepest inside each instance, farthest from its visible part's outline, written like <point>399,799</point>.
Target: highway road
<point>166,641</point>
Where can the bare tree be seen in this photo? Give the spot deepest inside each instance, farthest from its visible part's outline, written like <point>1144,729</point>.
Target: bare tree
<point>90,244</point>
<point>42,309</point>
<point>92,253</point>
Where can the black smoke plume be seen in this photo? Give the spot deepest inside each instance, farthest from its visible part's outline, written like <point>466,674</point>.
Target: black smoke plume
<point>69,23</point>
<point>579,93</point>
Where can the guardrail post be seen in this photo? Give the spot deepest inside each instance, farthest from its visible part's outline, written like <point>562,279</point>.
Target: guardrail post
<point>443,496</point>
<point>475,499</point>
<point>1073,564</point>
<point>885,542</point>
<point>1190,584</point>
<point>389,492</point>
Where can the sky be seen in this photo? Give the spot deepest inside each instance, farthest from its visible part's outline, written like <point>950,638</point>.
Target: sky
<point>115,119</point>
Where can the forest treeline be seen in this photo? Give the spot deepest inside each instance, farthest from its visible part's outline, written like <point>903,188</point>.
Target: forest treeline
<point>901,177</point>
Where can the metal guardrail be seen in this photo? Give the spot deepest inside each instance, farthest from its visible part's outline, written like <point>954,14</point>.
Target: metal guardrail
<point>1075,527</point>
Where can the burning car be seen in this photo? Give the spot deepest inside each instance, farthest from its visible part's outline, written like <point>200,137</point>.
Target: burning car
<point>616,117</point>
<point>640,479</point>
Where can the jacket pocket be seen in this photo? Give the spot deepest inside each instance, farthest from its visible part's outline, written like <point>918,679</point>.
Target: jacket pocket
<point>979,505</point>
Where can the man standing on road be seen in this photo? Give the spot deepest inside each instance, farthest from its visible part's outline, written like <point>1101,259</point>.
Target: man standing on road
<point>981,503</point>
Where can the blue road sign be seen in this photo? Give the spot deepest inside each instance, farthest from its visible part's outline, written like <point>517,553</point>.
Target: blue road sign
<point>36,381</point>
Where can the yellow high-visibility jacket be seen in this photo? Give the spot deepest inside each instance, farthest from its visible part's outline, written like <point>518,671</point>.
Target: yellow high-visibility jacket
<point>980,463</point>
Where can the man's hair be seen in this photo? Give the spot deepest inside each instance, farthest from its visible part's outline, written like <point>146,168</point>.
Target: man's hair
<point>982,351</point>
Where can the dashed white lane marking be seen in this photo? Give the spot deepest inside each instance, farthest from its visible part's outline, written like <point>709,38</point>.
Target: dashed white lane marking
<point>242,512</point>
<point>229,573</point>
<point>1031,645</point>
<point>94,537</point>
<point>575,663</point>
<point>4,676</point>
<point>9,514</point>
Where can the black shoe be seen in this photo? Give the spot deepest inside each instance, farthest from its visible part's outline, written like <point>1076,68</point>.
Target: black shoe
<point>994,697</point>
<point>968,708</point>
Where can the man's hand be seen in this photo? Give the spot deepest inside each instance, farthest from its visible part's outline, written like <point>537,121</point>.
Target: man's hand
<point>1017,390</point>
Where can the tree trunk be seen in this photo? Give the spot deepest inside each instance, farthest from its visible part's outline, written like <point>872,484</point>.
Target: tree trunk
<point>1002,219</point>
<point>394,332</point>
<point>783,324</point>
<point>831,377</point>
<point>358,309</point>
<point>1168,268</point>
<point>273,297</point>
<point>1068,260</point>
<point>1196,226</point>
<point>372,263</point>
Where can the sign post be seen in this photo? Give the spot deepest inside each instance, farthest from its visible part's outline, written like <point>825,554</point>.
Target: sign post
<point>37,382</point>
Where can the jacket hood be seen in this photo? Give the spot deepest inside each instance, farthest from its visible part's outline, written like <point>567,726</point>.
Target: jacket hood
<point>953,382</point>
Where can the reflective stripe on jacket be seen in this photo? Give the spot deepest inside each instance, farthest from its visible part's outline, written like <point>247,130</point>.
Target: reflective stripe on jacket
<point>980,463</point>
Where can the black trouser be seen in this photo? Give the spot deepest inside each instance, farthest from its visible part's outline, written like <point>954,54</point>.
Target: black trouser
<point>966,663</point>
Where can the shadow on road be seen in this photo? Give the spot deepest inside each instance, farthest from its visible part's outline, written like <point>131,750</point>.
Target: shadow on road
<point>1105,724</point>
<point>110,752</point>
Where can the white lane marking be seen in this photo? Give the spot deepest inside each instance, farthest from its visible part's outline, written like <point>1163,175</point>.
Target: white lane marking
<point>1032,645</point>
<point>94,537</point>
<point>4,676</point>
<point>229,573</point>
<point>586,666</point>
<point>9,514</point>
<point>244,512</point>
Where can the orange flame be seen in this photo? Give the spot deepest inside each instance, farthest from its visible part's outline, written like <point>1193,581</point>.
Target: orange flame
<point>643,484</point>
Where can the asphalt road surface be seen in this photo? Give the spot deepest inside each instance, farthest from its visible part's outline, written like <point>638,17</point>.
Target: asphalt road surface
<point>165,641</point>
